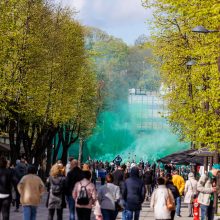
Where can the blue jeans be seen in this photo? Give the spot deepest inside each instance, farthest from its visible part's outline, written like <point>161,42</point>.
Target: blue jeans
<point>71,204</point>
<point>129,214</point>
<point>123,215</point>
<point>178,205</point>
<point>207,211</point>
<point>29,212</point>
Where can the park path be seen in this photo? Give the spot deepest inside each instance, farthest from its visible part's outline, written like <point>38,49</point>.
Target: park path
<point>146,213</point>
<point>42,212</point>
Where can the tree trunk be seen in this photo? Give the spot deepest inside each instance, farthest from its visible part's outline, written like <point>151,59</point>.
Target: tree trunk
<point>14,147</point>
<point>80,151</point>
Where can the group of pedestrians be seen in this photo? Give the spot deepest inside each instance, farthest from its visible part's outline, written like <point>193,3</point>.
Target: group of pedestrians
<point>123,189</point>
<point>166,198</point>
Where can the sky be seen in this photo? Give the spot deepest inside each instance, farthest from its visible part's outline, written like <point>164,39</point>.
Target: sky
<point>125,19</point>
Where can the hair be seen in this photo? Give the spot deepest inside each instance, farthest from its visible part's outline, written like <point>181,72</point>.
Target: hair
<point>59,162</point>
<point>123,166</point>
<point>87,174</point>
<point>161,181</point>
<point>56,170</point>
<point>31,169</point>
<point>168,176</point>
<point>73,163</point>
<point>109,178</point>
<point>70,159</point>
<point>176,172</point>
<point>3,162</point>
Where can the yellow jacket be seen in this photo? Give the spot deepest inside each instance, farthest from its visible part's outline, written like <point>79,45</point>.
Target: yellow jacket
<point>179,182</point>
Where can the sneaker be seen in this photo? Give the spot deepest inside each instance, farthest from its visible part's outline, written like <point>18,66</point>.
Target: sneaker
<point>179,216</point>
<point>16,210</point>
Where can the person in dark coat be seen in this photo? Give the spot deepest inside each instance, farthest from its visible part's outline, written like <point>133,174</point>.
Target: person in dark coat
<point>133,193</point>
<point>174,190</point>
<point>20,171</point>
<point>73,176</point>
<point>148,180</point>
<point>7,179</point>
<point>118,175</point>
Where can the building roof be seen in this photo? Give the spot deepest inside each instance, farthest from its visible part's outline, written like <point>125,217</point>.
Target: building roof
<point>183,157</point>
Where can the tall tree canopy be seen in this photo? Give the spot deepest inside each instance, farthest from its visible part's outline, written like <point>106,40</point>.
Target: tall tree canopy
<point>47,80</point>
<point>192,93</point>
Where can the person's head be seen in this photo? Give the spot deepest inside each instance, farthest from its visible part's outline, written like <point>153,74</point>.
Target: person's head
<point>56,170</point>
<point>215,169</point>
<point>70,159</point>
<point>87,174</point>
<point>59,162</point>
<point>175,172</point>
<point>3,162</point>
<point>85,167</point>
<point>162,173</point>
<point>73,163</point>
<point>123,166</point>
<point>168,177</point>
<point>134,172</point>
<point>31,169</point>
<point>161,181</point>
<point>191,175</point>
<point>109,178</point>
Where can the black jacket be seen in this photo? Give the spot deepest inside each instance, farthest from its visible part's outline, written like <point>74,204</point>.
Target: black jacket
<point>133,191</point>
<point>173,189</point>
<point>148,178</point>
<point>118,177</point>
<point>73,176</point>
<point>7,180</point>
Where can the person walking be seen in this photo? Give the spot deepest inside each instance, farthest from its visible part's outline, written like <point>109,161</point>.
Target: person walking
<point>73,176</point>
<point>133,194</point>
<point>20,171</point>
<point>56,195</point>
<point>85,196</point>
<point>109,196</point>
<point>7,180</point>
<point>30,188</point>
<point>179,182</point>
<point>102,174</point>
<point>148,180</point>
<point>206,187</point>
<point>159,200</point>
<point>173,189</point>
<point>190,192</point>
<point>118,175</point>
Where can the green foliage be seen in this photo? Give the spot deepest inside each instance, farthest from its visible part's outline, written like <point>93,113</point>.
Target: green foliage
<point>192,93</point>
<point>46,79</point>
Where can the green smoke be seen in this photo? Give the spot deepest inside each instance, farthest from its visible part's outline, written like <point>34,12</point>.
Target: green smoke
<point>130,131</point>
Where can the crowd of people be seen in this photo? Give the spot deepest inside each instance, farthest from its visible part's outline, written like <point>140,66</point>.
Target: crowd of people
<point>124,187</point>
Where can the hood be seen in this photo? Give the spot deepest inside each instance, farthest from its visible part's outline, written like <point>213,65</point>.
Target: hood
<point>191,175</point>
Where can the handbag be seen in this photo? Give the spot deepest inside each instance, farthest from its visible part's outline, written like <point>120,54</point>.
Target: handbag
<point>170,202</point>
<point>118,207</point>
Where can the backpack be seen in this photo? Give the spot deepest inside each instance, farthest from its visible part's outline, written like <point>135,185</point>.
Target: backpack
<point>83,198</point>
<point>56,188</point>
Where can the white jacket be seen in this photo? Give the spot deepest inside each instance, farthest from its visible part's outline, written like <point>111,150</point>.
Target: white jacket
<point>190,190</point>
<point>158,202</point>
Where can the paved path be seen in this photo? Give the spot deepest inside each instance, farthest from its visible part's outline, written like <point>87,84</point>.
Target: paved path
<point>42,212</point>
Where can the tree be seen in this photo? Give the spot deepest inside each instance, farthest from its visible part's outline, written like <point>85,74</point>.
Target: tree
<point>43,74</point>
<point>193,96</point>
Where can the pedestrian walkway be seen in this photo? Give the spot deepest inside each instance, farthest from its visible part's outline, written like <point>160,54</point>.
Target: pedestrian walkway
<point>42,212</point>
